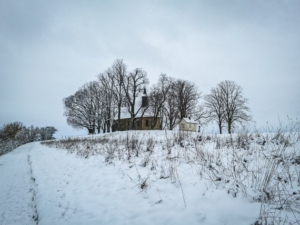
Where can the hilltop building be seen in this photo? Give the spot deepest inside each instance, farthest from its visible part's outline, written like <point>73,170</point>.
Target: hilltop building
<point>143,119</point>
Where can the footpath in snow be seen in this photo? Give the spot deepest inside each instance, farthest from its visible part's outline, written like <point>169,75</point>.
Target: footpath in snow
<point>17,188</point>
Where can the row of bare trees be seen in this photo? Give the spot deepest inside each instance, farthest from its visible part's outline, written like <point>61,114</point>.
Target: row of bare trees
<point>16,134</point>
<point>226,105</point>
<point>98,105</point>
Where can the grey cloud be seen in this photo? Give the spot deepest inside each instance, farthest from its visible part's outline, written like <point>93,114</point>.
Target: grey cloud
<point>51,48</point>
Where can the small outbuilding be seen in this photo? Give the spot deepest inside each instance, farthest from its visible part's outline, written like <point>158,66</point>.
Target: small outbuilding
<point>187,124</point>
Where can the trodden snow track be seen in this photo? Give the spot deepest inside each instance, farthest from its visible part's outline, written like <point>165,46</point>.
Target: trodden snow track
<point>17,200</point>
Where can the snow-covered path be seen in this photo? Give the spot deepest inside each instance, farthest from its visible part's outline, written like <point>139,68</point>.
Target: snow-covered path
<point>16,195</point>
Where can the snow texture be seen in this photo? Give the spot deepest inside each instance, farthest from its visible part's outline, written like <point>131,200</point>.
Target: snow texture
<point>46,185</point>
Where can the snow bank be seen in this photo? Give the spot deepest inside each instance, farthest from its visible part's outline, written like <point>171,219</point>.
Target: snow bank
<point>92,190</point>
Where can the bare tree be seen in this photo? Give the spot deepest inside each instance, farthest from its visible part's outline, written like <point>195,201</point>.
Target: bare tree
<point>158,96</point>
<point>170,110</point>
<point>133,85</point>
<point>235,109</point>
<point>201,115</point>
<point>98,94</point>
<point>16,134</point>
<point>119,70</point>
<point>108,97</point>
<point>33,133</point>
<point>80,109</point>
<point>215,105</point>
<point>181,102</point>
<point>187,95</point>
<point>10,130</point>
<point>46,133</point>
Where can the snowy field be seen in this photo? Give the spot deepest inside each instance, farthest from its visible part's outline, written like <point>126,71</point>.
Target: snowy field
<point>153,177</point>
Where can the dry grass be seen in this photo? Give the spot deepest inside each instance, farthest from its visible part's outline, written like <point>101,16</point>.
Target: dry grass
<point>264,168</point>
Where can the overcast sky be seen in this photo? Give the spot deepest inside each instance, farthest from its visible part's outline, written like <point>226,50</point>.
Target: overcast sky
<point>48,49</point>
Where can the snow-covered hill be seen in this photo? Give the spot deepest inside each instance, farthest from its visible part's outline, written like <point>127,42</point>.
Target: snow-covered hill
<point>154,177</point>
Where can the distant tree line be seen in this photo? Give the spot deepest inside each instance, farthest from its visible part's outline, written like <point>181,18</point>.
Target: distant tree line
<point>16,134</point>
<point>97,105</point>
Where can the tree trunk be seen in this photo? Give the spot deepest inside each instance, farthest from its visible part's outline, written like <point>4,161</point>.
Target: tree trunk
<point>119,116</point>
<point>153,124</point>
<point>229,127</point>
<point>220,128</point>
<point>171,124</point>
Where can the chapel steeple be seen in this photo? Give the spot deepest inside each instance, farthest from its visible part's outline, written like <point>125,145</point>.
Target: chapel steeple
<point>144,98</point>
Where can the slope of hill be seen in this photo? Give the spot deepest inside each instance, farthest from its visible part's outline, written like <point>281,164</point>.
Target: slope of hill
<point>159,177</point>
